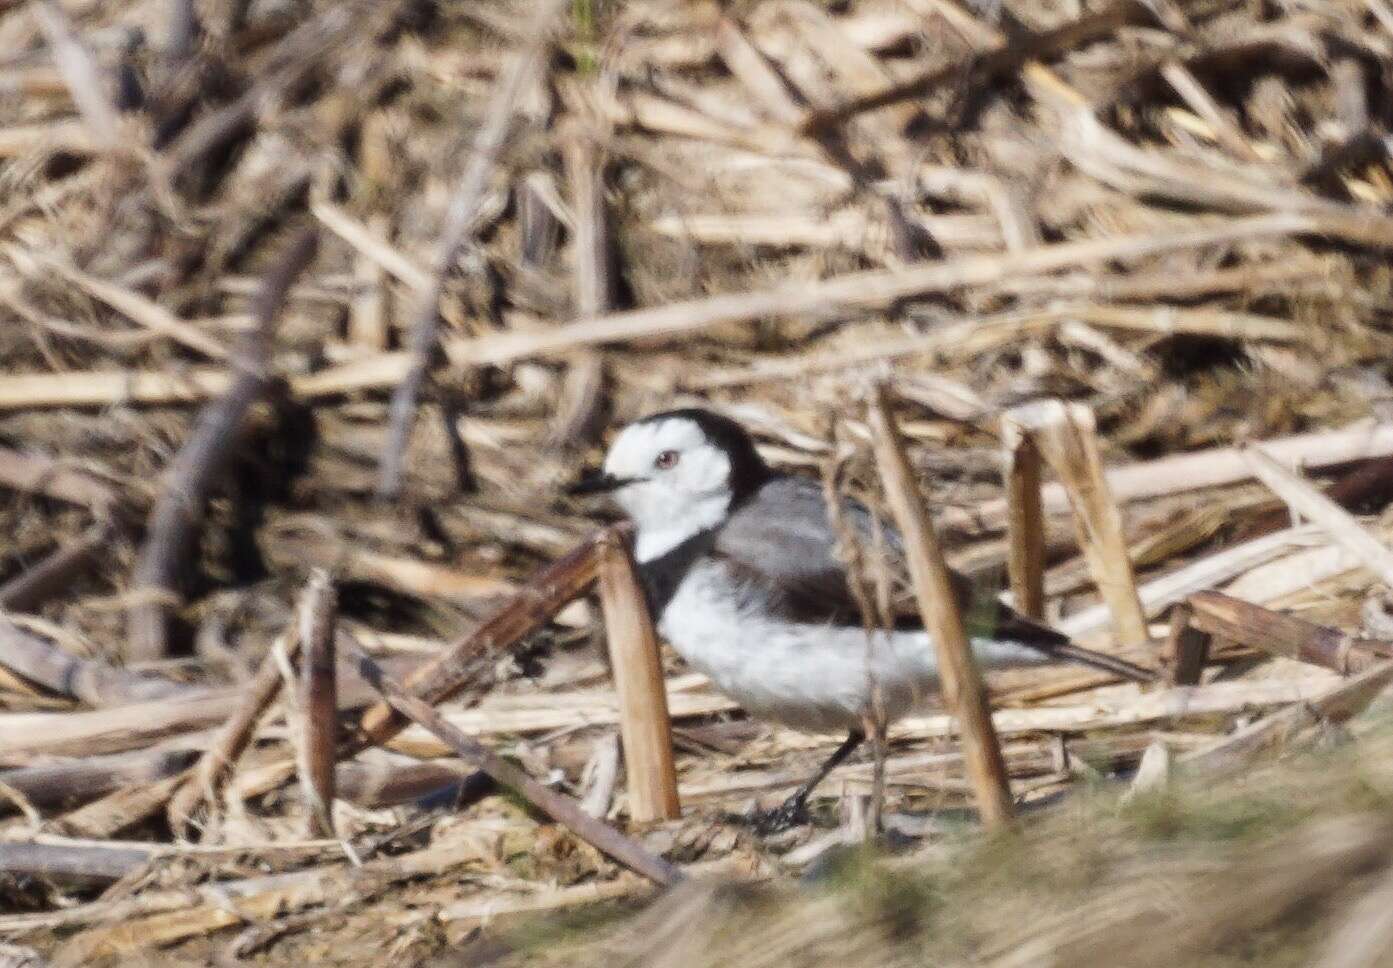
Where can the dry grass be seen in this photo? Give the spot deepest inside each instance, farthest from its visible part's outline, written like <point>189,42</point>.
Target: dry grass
<point>1172,217</point>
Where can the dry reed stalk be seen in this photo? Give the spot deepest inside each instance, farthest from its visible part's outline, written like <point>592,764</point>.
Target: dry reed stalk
<point>1118,712</point>
<point>1340,702</point>
<point>88,680</point>
<point>71,866</point>
<point>1307,502</point>
<point>114,730</point>
<point>1025,525</point>
<point>851,229</point>
<point>560,808</point>
<point>753,71</point>
<point>981,69</point>
<point>1216,466</point>
<point>71,137</point>
<point>162,917</point>
<point>869,290</point>
<point>458,231</point>
<point>1066,438</point>
<point>217,762</point>
<point>79,780</point>
<point>370,244</point>
<point>1186,649</point>
<point>1242,559</point>
<point>35,585</point>
<point>80,74</point>
<point>129,303</point>
<point>1228,134</point>
<point>644,723</point>
<point>380,785</point>
<point>963,691</point>
<point>101,388</point>
<point>369,316</point>
<point>175,520</point>
<point>495,910</point>
<point>1285,635</point>
<point>121,809</point>
<point>38,474</point>
<point>318,707</point>
<point>582,392</point>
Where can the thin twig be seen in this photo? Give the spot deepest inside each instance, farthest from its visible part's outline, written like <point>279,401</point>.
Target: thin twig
<point>318,709</point>
<point>560,808</point>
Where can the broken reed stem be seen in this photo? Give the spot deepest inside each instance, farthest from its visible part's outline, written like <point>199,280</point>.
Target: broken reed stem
<point>1066,437</point>
<point>644,723</point>
<point>49,785</point>
<point>1306,501</point>
<point>459,229</point>
<point>318,711</point>
<point>963,691</point>
<point>1285,635</point>
<point>176,518</point>
<point>468,663</point>
<point>87,680</point>
<point>1025,520</point>
<point>1344,699</point>
<point>1186,650</point>
<point>215,766</point>
<point>560,808</point>
<point>121,810</point>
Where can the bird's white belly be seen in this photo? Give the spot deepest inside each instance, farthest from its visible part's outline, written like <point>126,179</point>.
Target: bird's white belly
<point>811,677</point>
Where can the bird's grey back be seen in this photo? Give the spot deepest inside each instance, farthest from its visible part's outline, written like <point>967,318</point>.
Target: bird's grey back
<point>783,540</point>
<point>783,537</point>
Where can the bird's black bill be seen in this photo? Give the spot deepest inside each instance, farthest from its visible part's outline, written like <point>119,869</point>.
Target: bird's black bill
<point>598,483</point>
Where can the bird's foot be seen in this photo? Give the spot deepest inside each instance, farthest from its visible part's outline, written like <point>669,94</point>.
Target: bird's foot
<point>793,812</point>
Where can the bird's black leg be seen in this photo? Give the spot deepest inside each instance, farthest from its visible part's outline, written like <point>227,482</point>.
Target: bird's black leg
<point>794,810</point>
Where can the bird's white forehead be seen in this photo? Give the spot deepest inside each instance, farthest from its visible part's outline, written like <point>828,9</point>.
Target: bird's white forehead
<point>633,450</point>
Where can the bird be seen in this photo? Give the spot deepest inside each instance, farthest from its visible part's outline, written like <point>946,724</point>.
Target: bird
<point>740,569</point>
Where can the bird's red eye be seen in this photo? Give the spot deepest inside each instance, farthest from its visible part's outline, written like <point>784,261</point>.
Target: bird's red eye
<point>666,460</point>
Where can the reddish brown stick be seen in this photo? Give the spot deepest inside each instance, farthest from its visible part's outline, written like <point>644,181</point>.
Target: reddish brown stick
<point>1025,521</point>
<point>560,808</point>
<point>963,690</point>
<point>318,712</point>
<point>1186,649</point>
<point>469,662</point>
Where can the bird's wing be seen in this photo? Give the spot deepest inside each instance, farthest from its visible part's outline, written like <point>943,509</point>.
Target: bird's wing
<point>782,540</point>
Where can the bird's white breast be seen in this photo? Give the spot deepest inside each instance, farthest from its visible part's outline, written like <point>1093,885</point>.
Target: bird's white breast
<point>811,677</point>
